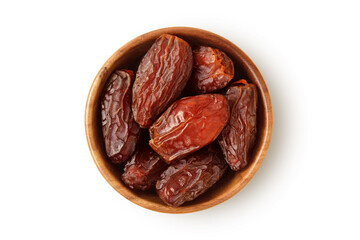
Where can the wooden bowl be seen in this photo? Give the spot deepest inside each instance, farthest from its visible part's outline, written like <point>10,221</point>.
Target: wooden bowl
<point>128,57</point>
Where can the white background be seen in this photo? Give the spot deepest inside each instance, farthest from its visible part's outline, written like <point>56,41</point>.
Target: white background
<point>308,185</point>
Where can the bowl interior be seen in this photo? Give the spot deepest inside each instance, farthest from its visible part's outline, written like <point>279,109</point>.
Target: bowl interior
<point>128,57</point>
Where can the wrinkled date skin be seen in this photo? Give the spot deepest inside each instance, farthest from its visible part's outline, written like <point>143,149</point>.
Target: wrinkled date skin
<point>213,70</point>
<point>143,169</point>
<point>120,131</point>
<point>187,178</point>
<point>160,78</point>
<point>188,125</point>
<point>238,137</point>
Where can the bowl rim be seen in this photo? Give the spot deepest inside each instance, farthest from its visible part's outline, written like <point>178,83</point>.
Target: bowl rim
<point>95,152</point>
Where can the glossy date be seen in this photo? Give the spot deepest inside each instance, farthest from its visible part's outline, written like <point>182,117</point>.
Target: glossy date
<point>188,125</point>
<point>143,169</point>
<point>162,75</point>
<point>187,178</point>
<point>213,70</point>
<point>238,137</point>
<point>120,131</point>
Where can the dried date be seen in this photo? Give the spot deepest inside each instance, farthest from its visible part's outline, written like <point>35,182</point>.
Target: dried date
<point>120,131</point>
<point>162,75</point>
<point>213,70</point>
<point>238,137</point>
<point>188,125</point>
<point>143,169</point>
<point>187,178</point>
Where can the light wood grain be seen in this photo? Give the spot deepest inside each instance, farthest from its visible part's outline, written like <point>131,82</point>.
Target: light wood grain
<point>128,57</point>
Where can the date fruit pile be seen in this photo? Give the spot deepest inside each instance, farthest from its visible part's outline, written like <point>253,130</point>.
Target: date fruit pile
<point>196,119</point>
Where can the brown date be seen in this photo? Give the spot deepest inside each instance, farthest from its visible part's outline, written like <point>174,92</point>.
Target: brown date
<point>120,131</point>
<point>238,137</point>
<point>187,178</point>
<point>213,70</point>
<point>143,169</point>
<point>188,125</point>
<point>162,75</point>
